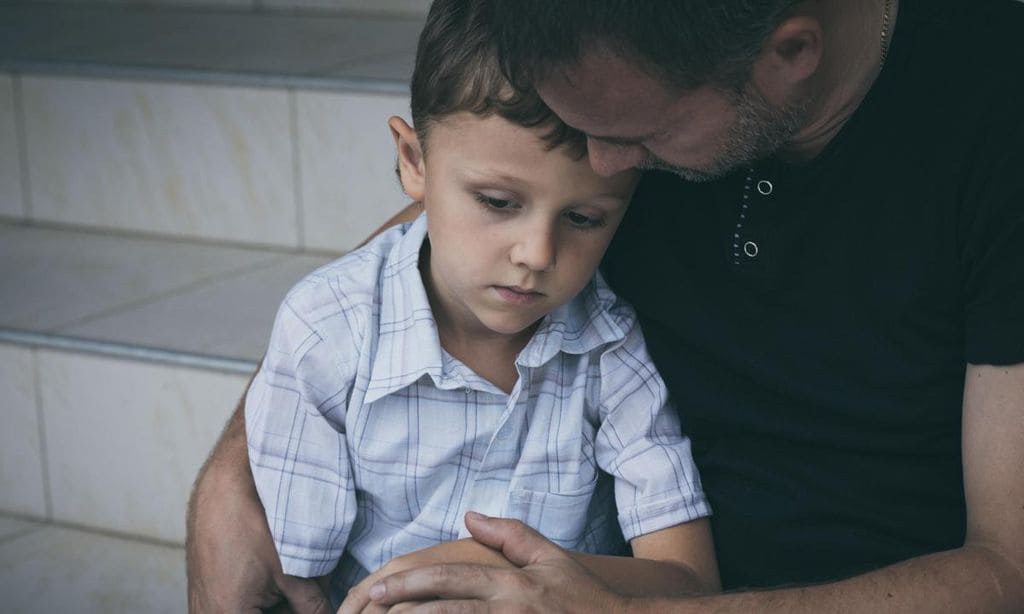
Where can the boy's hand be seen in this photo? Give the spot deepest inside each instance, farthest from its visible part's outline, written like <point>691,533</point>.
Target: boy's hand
<point>461,551</point>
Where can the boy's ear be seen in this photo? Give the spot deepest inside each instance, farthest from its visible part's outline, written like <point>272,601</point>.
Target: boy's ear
<point>411,169</point>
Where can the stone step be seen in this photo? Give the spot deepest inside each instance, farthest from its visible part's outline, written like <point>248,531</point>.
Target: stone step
<point>254,128</point>
<point>53,568</point>
<point>120,359</point>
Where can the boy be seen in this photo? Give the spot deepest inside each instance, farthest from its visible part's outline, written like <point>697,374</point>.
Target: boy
<point>473,361</point>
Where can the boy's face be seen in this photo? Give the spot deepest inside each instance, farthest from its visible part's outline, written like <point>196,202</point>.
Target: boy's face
<point>515,230</point>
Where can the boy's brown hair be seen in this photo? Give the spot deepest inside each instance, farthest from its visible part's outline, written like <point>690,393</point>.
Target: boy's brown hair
<point>457,70</point>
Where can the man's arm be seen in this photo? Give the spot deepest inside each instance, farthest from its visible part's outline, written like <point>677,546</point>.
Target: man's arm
<point>231,561</point>
<point>679,560</point>
<point>986,574</point>
<point>230,557</point>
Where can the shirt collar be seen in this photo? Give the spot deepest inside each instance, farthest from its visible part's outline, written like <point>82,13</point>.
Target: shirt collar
<point>593,319</point>
<point>408,346</point>
<point>407,343</point>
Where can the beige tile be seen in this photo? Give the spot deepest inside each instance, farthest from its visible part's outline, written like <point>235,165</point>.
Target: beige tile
<point>12,527</point>
<point>229,317</point>
<point>11,203</point>
<point>187,160</point>
<point>21,454</point>
<point>347,158</point>
<point>55,569</point>
<point>126,439</point>
<point>51,278</point>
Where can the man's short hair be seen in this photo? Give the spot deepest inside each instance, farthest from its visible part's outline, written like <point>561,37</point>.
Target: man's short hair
<point>684,43</point>
<point>457,70</point>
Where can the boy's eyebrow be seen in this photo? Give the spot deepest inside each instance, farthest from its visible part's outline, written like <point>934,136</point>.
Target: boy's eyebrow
<point>492,175</point>
<point>619,140</point>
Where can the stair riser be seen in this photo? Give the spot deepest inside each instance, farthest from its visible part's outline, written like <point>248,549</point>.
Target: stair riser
<point>264,166</point>
<point>106,442</point>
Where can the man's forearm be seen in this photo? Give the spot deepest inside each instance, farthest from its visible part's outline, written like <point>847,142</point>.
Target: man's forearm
<point>972,578</point>
<point>226,467</point>
<point>638,577</point>
<point>224,482</point>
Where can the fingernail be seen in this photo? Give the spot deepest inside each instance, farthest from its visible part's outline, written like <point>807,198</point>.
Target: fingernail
<point>476,516</point>
<point>377,591</point>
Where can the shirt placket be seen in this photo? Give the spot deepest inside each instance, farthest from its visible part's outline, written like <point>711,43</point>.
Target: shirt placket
<point>488,490</point>
<point>751,242</point>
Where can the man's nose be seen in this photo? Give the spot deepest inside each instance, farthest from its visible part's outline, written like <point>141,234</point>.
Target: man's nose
<point>607,159</point>
<point>536,248</point>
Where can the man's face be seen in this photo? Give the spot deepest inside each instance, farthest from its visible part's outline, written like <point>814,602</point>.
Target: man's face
<point>633,120</point>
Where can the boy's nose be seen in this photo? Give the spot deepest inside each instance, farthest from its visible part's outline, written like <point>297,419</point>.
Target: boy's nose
<point>607,159</point>
<point>536,249</point>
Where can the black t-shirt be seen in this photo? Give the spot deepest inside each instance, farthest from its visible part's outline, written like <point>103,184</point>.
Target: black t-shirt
<point>815,340</point>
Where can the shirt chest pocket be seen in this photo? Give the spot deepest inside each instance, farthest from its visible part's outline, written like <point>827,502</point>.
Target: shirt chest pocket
<point>560,517</point>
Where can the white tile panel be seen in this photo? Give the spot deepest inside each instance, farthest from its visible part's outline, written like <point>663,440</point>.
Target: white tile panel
<point>11,527</point>
<point>11,203</point>
<point>21,453</point>
<point>126,439</point>
<point>55,569</point>
<point>347,158</point>
<point>178,159</point>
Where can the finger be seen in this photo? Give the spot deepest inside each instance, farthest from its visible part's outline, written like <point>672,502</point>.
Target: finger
<point>448,581</point>
<point>405,607</point>
<point>518,542</point>
<point>357,598</point>
<point>304,595</point>
<point>440,607</point>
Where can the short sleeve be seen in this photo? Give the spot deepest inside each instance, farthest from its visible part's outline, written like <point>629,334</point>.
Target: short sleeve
<point>295,417</point>
<point>641,445</point>
<point>993,248</point>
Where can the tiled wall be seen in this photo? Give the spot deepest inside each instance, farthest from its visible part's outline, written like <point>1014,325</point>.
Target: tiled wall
<point>11,200</point>
<point>295,169</point>
<point>391,7</point>
<point>21,454</point>
<point>119,442</point>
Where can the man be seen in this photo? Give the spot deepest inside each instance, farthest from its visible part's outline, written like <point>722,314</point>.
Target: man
<point>838,310</point>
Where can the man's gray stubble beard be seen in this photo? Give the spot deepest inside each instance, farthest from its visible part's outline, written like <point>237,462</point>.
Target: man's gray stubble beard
<point>759,130</point>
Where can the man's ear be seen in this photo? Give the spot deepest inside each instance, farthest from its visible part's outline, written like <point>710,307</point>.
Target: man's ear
<point>411,169</point>
<point>789,58</point>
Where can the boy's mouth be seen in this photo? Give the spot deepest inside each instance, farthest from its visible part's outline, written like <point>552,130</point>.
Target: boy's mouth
<point>517,295</point>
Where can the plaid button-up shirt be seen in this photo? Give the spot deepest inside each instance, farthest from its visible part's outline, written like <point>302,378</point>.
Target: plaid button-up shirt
<point>368,441</point>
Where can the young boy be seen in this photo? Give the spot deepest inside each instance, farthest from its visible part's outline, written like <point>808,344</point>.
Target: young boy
<point>471,360</point>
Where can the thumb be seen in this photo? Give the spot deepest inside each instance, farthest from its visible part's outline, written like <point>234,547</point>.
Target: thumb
<point>519,543</point>
<point>304,595</point>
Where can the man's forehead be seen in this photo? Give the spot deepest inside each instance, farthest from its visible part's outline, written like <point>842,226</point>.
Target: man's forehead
<point>604,91</point>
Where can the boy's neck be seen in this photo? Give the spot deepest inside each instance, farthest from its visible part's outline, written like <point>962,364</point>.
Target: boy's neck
<point>490,355</point>
<point>493,359</point>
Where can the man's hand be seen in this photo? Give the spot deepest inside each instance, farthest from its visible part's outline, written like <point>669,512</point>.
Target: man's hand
<point>231,560</point>
<point>461,551</point>
<point>549,581</point>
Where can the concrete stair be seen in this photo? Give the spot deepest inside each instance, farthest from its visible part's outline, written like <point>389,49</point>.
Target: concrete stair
<point>166,174</point>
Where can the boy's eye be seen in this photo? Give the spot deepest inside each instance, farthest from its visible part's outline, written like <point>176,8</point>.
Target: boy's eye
<point>495,203</point>
<point>583,221</point>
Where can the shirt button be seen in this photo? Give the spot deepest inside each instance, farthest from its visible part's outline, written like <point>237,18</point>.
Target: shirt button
<point>467,389</point>
<point>765,187</point>
<point>750,249</point>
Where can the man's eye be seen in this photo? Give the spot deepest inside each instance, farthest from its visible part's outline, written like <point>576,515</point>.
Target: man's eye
<point>496,203</point>
<point>583,221</point>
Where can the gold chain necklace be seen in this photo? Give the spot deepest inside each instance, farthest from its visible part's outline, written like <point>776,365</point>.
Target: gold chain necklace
<point>885,32</point>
